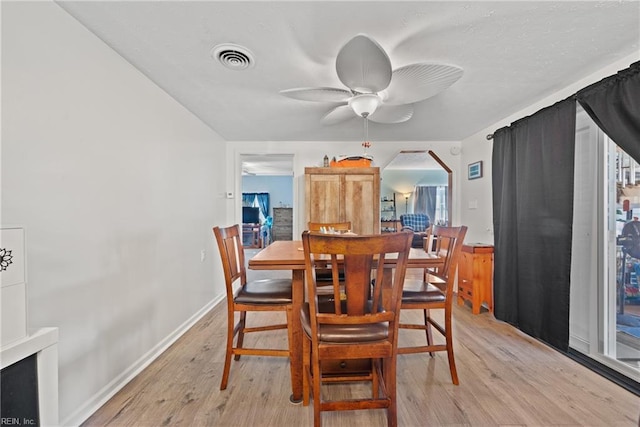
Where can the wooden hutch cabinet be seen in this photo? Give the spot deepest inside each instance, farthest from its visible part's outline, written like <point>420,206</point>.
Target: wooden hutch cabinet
<point>344,194</point>
<point>475,276</point>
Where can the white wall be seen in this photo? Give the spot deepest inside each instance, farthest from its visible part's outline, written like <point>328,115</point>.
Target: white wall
<point>117,186</point>
<point>280,189</point>
<point>480,219</point>
<point>311,154</point>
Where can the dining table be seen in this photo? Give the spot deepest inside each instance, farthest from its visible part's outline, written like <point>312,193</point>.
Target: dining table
<point>289,255</point>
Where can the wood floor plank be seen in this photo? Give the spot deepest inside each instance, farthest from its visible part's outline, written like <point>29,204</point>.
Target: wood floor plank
<point>506,378</point>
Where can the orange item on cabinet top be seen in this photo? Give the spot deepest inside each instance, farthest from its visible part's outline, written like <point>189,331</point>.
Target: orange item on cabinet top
<point>352,162</point>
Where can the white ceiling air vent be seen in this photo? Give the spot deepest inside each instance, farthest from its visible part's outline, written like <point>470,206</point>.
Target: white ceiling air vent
<point>233,56</point>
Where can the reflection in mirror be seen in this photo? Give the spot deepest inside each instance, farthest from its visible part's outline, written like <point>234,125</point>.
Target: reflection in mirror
<point>415,182</point>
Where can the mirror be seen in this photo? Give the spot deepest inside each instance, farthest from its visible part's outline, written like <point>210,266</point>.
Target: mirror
<point>408,171</point>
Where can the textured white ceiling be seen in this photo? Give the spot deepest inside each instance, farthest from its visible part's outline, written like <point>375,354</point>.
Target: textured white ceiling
<point>412,160</point>
<point>513,53</point>
<point>267,164</point>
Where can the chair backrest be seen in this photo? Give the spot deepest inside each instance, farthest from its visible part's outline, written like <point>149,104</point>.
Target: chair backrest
<point>232,254</point>
<point>448,243</point>
<point>337,226</point>
<point>416,221</point>
<point>362,258</point>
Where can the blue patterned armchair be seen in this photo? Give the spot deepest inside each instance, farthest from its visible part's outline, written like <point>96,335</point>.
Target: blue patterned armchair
<point>418,223</point>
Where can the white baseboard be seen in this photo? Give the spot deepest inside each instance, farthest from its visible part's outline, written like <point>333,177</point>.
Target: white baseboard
<point>578,343</point>
<point>108,391</point>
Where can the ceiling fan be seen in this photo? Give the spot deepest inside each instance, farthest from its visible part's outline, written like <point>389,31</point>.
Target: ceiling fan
<point>375,91</point>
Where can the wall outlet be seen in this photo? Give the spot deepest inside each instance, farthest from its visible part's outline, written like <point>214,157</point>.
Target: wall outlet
<point>203,255</point>
<point>229,194</point>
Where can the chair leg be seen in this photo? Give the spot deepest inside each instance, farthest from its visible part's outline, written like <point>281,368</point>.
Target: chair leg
<point>317,397</point>
<point>427,326</point>
<point>389,378</point>
<point>306,366</point>
<point>229,352</point>
<point>243,323</point>
<point>375,385</point>
<point>449,340</point>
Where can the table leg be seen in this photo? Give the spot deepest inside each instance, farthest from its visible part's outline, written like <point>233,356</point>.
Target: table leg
<point>295,337</point>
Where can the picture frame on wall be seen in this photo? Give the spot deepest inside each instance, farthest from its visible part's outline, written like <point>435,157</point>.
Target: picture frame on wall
<point>475,170</point>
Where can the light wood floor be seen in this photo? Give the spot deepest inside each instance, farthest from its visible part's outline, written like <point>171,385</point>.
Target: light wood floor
<point>506,379</point>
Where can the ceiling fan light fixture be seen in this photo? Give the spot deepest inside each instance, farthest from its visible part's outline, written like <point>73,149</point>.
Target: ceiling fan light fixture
<point>365,104</point>
<point>377,92</point>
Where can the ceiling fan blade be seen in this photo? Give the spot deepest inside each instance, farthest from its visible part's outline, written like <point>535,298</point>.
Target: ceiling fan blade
<point>318,94</point>
<point>339,114</point>
<point>416,82</point>
<point>363,66</point>
<point>392,113</point>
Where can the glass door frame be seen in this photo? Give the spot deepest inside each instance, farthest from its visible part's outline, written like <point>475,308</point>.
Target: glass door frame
<point>598,310</point>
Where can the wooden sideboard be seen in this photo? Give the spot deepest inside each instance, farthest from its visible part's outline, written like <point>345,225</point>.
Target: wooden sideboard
<point>475,276</point>
<point>344,194</point>
<point>282,228</point>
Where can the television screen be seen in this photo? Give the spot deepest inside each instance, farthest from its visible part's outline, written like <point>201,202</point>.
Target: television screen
<point>250,215</point>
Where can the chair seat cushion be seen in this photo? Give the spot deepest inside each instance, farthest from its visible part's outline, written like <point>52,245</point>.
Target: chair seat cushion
<point>347,334</point>
<point>265,291</point>
<point>421,292</point>
<point>327,275</point>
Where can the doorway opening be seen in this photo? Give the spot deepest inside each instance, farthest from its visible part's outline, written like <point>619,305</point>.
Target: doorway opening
<point>416,181</point>
<point>267,184</point>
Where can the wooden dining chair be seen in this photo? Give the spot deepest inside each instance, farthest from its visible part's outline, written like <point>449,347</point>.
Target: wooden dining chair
<point>258,295</point>
<point>359,324</point>
<point>325,275</point>
<point>435,292</point>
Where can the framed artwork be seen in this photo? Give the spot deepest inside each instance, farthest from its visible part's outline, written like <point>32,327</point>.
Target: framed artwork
<point>475,170</point>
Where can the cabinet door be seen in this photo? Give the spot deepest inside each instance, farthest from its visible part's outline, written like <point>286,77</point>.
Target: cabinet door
<point>465,275</point>
<point>361,196</point>
<point>324,198</point>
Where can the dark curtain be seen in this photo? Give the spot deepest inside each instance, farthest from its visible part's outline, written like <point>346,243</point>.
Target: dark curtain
<point>263,203</point>
<point>248,199</point>
<point>532,215</point>
<point>425,201</point>
<point>614,104</point>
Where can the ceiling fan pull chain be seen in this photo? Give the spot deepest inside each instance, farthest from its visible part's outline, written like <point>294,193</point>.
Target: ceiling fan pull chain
<point>366,144</point>
<point>366,130</point>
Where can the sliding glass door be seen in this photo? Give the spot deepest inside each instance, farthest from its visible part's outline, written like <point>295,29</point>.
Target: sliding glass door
<point>605,273</point>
